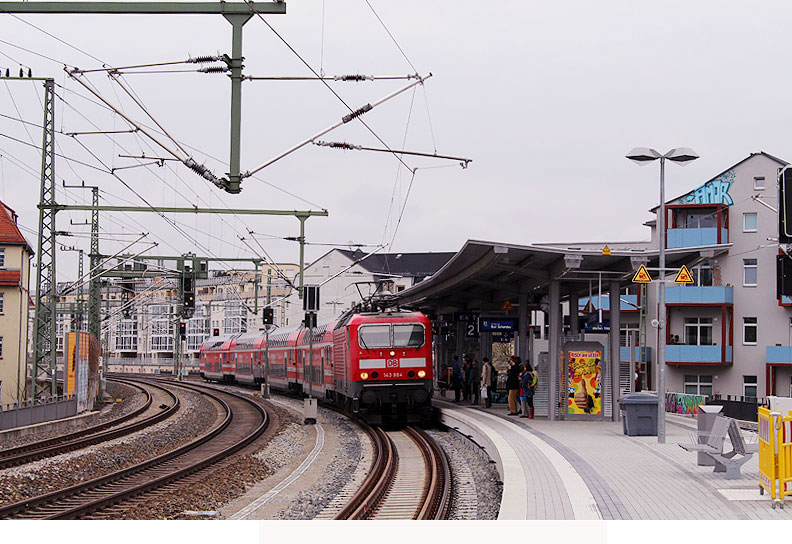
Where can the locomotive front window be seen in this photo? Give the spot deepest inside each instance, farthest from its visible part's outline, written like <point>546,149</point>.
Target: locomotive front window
<point>374,336</point>
<point>408,336</point>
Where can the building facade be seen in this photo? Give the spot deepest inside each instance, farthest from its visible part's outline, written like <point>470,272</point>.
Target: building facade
<point>15,255</point>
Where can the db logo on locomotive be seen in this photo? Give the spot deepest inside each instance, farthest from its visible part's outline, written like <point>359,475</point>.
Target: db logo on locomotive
<point>391,363</point>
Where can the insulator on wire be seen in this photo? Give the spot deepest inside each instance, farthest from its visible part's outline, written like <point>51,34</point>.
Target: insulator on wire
<point>213,69</point>
<point>204,58</point>
<point>353,77</point>
<point>30,72</point>
<point>21,72</point>
<point>8,73</point>
<point>202,171</point>
<point>357,113</point>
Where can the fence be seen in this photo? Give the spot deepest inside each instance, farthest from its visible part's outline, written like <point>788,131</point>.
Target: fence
<point>742,408</point>
<point>775,454</point>
<point>30,412</point>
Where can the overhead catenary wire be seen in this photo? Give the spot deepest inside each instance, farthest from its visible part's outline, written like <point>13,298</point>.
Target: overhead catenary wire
<point>345,77</point>
<point>344,145</point>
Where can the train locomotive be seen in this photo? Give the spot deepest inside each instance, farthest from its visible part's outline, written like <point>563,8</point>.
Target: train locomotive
<point>377,364</point>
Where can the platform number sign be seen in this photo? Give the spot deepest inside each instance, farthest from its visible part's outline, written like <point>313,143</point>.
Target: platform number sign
<point>471,329</point>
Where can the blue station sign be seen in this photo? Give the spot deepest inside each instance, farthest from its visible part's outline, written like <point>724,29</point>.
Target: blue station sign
<point>498,324</point>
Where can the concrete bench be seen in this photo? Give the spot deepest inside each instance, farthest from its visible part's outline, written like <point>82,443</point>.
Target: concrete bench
<point>729,462</point>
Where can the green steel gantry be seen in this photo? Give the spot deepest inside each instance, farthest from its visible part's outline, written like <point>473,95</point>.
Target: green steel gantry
<point>236,13</point>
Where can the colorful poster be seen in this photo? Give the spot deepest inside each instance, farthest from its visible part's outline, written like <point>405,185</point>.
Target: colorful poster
<point>584,382</point>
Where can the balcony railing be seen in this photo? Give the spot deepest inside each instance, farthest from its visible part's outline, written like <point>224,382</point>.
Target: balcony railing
<point>707,294</point>
<point>677,238</point>
<point>676,353</point>
<point>624,354</point>
<point>778,354</point>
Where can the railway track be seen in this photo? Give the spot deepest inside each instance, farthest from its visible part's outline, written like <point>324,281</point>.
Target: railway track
<point>410,478</point>
<point>243,422</point>
<point>160,402</point>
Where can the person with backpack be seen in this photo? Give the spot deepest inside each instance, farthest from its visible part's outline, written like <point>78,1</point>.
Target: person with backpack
<point>528,380</point>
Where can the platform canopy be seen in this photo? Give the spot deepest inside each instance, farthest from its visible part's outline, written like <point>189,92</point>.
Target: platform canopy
<point>483,275</point>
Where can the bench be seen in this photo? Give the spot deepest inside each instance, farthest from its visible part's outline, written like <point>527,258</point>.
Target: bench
<point>729,462</point>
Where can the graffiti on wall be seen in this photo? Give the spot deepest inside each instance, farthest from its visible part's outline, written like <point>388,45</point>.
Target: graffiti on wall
<point>715,191</point>
<point>683,403</point>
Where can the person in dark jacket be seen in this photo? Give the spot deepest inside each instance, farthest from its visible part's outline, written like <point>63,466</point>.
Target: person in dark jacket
<point>475,382</point>
<point>456,379</point>
<point>527,386</point>
<point>513,384</point>
<point>466,377</point>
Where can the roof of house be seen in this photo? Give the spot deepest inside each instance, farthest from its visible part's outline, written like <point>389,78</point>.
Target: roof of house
<point>732,167</point>
<point>401,264</point>
<point>9,232</point>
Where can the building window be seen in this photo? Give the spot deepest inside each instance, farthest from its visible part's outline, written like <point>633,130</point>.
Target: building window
<point>750,331</point>
<point>750,222</point>
<point>759,183</point>
<point>127,335</point>
<point>702,274</point>
<point>1,346</point>
<point>2,258</point>
<point>698,331</point>
<point>750,272</point>
<point>750,388</point>
<point>626,329</point>
<point>2,304</point>
<point>698,384</point>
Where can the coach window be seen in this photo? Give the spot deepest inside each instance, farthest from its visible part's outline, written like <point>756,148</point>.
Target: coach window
<point>374,336</point>
<point>408,336</point>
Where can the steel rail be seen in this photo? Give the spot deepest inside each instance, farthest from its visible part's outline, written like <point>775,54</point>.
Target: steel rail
<point>50,447</point>
<point>110,497</point>
<point>438,492</point>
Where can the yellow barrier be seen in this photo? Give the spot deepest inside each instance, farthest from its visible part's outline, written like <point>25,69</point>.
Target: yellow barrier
<point>775,455</point>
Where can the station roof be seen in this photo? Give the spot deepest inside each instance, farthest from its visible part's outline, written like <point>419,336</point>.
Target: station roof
<point>482,275</point>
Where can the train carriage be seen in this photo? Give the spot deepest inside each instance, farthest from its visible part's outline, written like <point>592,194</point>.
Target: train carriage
<point>377,364</point>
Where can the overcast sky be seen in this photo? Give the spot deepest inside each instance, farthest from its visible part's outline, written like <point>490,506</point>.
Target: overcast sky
<point>545,97</point>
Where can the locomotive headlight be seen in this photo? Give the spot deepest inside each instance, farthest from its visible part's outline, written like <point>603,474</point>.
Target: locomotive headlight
<point>364,375</point>
<point>421,374</point>
<point>392,353</point>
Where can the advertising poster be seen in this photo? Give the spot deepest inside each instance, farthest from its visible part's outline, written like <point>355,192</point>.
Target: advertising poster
<point>584,382</point>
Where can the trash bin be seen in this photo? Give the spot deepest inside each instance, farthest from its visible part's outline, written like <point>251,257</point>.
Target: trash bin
<point>639,414</point>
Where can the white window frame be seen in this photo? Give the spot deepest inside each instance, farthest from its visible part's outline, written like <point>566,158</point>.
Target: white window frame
<point>750,381</point>
<point>699,325</point>
<point>746,326</point>
<point>2,258</point>
<point>746,266</point>
<point>745,217</point>
<point>2,303</point>
<point>759,183</point>
<point>698,384</point>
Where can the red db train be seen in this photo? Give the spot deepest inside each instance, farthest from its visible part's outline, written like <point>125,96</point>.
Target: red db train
<point>377,365</point>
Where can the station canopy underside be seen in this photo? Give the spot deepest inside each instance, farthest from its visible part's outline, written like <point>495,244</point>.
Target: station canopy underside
<point>483,275</point>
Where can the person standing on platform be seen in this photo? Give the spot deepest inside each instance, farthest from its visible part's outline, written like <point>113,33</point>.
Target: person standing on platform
<point>486,381</point>
<point>527,388</point>
<point>513,384</point>
<point>475,382</point>
<point>456,378</point>
<point>467,380</point>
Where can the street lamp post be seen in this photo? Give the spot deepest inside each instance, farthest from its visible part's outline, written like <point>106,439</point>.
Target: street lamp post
<point>682,156</point>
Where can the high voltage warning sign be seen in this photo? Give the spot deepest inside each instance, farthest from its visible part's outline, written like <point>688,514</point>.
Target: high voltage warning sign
<point>684,276</point>
<point>642,276</point>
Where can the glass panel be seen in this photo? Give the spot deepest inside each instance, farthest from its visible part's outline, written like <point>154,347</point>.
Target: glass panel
<point>690,378</point>
<point>374,336</point>
<point>705,276</point>
<point>705,379</point>
<point>749,221</point>
<point>751,391</point>
<point>408,336</point>
<point>705,335</point>
<point>707,221</point>
<point>750,334</point>
<point>691,335</point>
<point>749,379</point>
<point>751,275</point>
<point>691,389</point>
<point>706,390</point>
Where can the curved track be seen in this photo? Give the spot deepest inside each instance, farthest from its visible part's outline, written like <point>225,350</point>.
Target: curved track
<point>410,478</point>
<point>243,422</point>
<point>161,406</point>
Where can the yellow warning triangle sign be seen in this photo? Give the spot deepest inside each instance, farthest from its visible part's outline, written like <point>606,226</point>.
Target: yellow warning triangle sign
<point>507,306</point>
<point>684,276</point>
<point>606,250</point>
<point>642,276</point>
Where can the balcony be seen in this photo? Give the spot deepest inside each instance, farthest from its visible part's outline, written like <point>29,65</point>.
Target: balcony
<point>690,294</point>
<point>624,354</point>
<point>677,238</point>
<point>778,354</point>
<point>691,355</point>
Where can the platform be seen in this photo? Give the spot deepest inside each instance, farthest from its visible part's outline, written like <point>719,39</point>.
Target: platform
<point>564,470</point>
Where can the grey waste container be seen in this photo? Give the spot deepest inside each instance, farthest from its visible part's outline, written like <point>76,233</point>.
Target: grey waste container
<point>639,414</point>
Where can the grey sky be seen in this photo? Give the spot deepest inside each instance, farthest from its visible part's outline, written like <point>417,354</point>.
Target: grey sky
<point>545,97</point>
